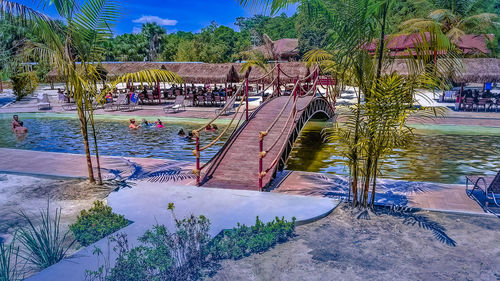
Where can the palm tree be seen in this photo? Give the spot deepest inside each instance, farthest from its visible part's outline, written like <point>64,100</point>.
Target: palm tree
<point>453,20</point>
<point>77,53</point>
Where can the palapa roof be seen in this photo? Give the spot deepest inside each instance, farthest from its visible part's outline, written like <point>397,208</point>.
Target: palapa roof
<point>292,70</point>
<point>398,45</point>
<point>284,48</point>
<point>472,70</point>
<point>199,73</point>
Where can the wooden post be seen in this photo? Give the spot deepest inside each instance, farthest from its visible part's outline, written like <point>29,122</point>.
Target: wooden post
<point>278,79</point>
<point>198,160</point>
<point>1,84</point>
<point>261,159</point>
<point>246,98</point>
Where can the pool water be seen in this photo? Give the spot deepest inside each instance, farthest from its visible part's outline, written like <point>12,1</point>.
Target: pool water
<point>442,154</point>
<point>114,138</point>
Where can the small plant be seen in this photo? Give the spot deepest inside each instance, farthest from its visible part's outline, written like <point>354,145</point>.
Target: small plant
<point>243,240</point>
<point>42,242</point>
<point>96,223</point>
<point>162,255</point>
<point>10,266</point>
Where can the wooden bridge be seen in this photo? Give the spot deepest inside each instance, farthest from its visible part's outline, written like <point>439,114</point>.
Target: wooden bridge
<point>260,146</point>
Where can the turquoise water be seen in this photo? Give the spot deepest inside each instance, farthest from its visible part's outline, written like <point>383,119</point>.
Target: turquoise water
<point>114,138</point>
<point>440,153</point>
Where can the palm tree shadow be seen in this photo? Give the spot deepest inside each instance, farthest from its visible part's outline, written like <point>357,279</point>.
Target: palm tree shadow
<point>411,216</point>
<point>132,171</point>
<point>389,192</point>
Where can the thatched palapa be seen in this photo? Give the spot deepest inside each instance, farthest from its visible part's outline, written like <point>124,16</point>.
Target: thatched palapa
<point>472,70</point>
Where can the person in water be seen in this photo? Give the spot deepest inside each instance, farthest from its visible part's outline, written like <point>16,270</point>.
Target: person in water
<point>190,136</point>
<point>15,122</point>
<point>181,133</point>
<point>133,125</point>
<point>214,127</point>
<point>145,123</point>
<point>159,124</point>
<point>20,129</point>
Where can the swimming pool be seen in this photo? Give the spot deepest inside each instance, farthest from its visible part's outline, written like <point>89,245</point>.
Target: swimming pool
<point>114,138</point>
<point>443,154</point>
<point>440,153</point>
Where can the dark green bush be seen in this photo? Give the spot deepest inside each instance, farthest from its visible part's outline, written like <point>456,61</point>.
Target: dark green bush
<point>243,240</point>
<point>96,223</point>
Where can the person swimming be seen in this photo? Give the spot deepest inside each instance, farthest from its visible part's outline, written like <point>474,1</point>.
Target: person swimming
<point>190,136</point>
<point>132,124</point>
<point>159,124</point>
<point>145,123</point>
<point>181,133</point>
<point>214,127</point>
<point>15,122</point>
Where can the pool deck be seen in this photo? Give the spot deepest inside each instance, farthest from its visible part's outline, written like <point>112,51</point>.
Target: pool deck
<point>442,197</point>
<point>29,105</point>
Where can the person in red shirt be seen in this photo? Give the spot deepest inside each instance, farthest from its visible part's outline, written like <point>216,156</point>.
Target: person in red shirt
<point>133,125</point>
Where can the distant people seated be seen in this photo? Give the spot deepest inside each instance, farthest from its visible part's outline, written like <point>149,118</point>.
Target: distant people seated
<point>159,124</point>
<point>132,125</point>
<point>181,133</point>
<point>19,130</point>
<point>109,97</point>
<point>15,122</point>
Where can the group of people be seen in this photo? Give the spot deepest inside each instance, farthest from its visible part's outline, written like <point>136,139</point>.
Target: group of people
<point>146,124</point>
<point>17,126</point>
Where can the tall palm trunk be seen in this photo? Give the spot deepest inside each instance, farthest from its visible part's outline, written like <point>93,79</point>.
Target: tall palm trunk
<point>374,181</point>
<point>84,130</point>
<point>94,135</point>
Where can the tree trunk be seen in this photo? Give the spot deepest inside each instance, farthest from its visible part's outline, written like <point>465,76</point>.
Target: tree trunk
<point>374,182</point>
<point>382,41</point>
<point>94,134</point>
<point>84,130</point>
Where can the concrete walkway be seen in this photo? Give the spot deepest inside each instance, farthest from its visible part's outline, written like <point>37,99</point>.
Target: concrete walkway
<point>146,204</point>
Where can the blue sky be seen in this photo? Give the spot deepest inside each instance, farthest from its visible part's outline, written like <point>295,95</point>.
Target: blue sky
<point>191,15</point>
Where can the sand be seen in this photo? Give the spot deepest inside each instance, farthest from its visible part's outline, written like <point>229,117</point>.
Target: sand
<point>386,247</point>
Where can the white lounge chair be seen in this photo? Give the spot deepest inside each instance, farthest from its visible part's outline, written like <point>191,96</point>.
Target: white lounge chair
<point>177,105</point>
<point>43,102</point>
<point>122,100</point>
<point>133,105</point>
<point>228,107</point>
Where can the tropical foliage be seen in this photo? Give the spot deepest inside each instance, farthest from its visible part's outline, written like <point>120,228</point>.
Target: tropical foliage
<point>96,223</point>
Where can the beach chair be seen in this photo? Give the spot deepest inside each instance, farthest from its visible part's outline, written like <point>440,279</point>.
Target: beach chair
<point>43,102</point>
<point>489,185</point>
<point>133,105</point>
<point>175,106</point>
<point>61,98</point>
<point>122,100</point>
<point>228,108</point>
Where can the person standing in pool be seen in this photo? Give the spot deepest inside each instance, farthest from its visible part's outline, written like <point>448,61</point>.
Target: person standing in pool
<point>132,125</point>
<point>181,133</point>
<point>159,124</point>
<point>15,122</point>
<point>19,130</point>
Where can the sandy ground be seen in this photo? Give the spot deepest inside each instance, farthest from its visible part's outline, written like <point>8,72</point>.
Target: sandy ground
<point>31,194</point>
<point>386,247</point>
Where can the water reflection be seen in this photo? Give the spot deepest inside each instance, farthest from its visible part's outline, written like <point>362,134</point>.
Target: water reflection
<point>442,158</point>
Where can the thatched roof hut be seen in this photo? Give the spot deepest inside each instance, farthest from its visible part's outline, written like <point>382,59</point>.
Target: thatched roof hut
<point>473,70</point>
<point>199,73</point>
<point>292,70</point>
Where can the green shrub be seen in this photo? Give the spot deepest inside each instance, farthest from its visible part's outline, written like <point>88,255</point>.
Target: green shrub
<point>96,223</point>
<point>243,240</point>
<point>162,255</point>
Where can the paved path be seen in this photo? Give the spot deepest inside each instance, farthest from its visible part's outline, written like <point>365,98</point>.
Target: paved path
<point>146,204</point>
<point>432,196</point>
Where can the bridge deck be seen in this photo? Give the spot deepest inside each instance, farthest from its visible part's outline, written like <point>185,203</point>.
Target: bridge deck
<point>238,168</point>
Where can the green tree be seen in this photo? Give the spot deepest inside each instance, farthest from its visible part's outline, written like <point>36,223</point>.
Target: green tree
<point>153,33</point>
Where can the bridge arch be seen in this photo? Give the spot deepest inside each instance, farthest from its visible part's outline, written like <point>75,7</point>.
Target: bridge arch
<point>318,106</point>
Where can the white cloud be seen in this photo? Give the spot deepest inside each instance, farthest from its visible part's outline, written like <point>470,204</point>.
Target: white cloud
<point>158,20</point>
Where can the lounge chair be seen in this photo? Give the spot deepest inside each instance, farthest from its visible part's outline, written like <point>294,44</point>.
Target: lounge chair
<point>43,102</point>
<point>69,106</point>
<point>122,100</point>
<point>176,106</point>
<point>133,105</point>
<point>489,185</point>
<point>228,108</point>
